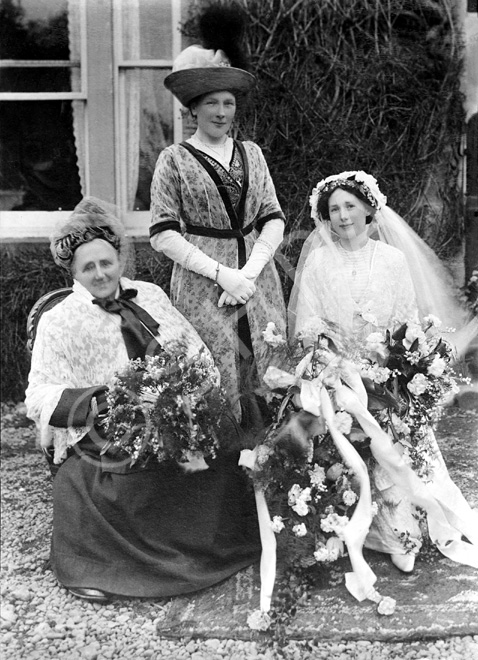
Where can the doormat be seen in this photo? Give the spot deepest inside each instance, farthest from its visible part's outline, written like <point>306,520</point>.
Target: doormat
<point>440,598</point>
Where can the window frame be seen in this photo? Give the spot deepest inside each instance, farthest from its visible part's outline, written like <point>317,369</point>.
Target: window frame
<point>102,69</point>
<point>138,221</point>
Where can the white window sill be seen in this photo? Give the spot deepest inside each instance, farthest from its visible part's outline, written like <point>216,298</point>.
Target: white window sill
<point>37,226</point>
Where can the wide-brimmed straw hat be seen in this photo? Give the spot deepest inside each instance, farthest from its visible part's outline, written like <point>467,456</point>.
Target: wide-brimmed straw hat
<point>199,70</point>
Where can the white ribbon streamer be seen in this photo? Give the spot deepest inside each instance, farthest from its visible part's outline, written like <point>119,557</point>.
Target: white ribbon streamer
<point>248,459</point>
<point>360,582</point>
<point>445,530</point>
<point>448,514</point>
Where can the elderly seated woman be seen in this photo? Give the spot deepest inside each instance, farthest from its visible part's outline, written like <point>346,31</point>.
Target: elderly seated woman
<point>148,529</point>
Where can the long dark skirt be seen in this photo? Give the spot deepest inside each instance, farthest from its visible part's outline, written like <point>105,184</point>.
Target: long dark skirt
<point>152,532</point>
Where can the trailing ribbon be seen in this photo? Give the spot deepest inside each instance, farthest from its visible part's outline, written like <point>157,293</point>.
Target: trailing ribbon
<point>315,400</point>
<point>360,582</point>
<point>248,458</point>
<point>446,526</point>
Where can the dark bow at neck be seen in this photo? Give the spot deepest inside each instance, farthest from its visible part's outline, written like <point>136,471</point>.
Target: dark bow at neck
<point>138,328</point>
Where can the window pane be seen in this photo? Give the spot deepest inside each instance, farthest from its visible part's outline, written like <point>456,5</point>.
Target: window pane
<point>40,30</point>
<point>38,162</point>
<point>153,18</point>
<point>155,130</point>
<point>34,30</point>
<point>43,79</point>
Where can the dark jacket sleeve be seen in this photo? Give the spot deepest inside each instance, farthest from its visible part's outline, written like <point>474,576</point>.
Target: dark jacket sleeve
<point>73,408</point>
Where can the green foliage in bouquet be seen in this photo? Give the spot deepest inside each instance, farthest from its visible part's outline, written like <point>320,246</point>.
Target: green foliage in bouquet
<point>169,406</point>
<point>309,490</point>
<point>407,375</point>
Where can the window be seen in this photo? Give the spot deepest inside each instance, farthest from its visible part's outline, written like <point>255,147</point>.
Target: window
<point>41,76</point>
<point>83,108</point>
<point>144,48</point>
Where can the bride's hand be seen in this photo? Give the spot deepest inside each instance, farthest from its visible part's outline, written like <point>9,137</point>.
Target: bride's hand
<point>348,400</point>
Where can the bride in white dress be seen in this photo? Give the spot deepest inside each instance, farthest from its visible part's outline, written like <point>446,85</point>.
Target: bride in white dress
<point>364,270</point>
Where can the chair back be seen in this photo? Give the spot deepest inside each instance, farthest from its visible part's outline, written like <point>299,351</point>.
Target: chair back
<point>43,304</point>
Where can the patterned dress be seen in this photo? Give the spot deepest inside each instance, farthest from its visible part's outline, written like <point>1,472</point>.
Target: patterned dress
<point>222,213</point>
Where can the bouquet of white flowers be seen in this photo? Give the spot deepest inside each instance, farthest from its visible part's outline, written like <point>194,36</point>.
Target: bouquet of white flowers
<point>169,406</point>
<point>407,375</point>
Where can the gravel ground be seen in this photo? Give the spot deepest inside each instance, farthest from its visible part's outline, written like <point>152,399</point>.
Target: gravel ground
<point>40,619</point>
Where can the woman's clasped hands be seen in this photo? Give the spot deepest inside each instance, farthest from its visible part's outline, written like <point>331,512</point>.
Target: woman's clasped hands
<point>237,288</point>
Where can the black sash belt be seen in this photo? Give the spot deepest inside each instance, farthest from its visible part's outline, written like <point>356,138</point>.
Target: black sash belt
<point>219,233</point>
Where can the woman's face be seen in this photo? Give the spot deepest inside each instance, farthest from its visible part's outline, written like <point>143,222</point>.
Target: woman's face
<point>348,214</point>
<point>215,113</point>
<point>97,267</point>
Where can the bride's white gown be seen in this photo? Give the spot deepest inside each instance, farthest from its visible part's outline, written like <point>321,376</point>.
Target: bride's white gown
<point>344,287</point>
<point>363,292</point>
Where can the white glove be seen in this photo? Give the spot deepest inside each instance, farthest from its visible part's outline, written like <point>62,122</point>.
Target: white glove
<point>187,255</point>
<point>236,284</point>
<point>226,300</point>
<point>264,248</point>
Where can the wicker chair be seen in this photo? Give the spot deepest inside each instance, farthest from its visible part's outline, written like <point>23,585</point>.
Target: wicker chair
<point>42,305</point>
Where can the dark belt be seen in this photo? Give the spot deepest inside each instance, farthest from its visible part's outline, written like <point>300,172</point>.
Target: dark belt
<point>219,233</point>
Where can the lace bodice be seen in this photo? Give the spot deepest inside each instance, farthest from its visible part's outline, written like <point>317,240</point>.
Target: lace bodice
<point>382,296</point>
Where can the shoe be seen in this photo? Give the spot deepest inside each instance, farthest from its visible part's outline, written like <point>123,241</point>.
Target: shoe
<point>405,563</point>
<point>95,595</point>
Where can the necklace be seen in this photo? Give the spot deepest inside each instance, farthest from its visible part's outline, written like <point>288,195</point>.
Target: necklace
<point>355,258</point>
<point>221,149</point>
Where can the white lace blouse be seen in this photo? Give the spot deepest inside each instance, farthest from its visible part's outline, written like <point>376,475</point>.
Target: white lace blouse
<point>80,345</point>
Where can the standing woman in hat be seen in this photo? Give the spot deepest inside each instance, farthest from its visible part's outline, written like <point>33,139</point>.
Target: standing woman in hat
<point>215,211</point>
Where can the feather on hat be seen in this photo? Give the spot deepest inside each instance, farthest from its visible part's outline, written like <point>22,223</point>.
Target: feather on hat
<point>219,63</point>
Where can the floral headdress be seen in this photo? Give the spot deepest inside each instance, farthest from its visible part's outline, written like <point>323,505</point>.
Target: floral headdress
<point>355,180</point>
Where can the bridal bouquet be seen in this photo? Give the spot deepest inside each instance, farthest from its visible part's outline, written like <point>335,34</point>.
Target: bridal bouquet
<point>336,418</point>
<point>407,375</point>
<point>310,491</point>
<point>169,406</point>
